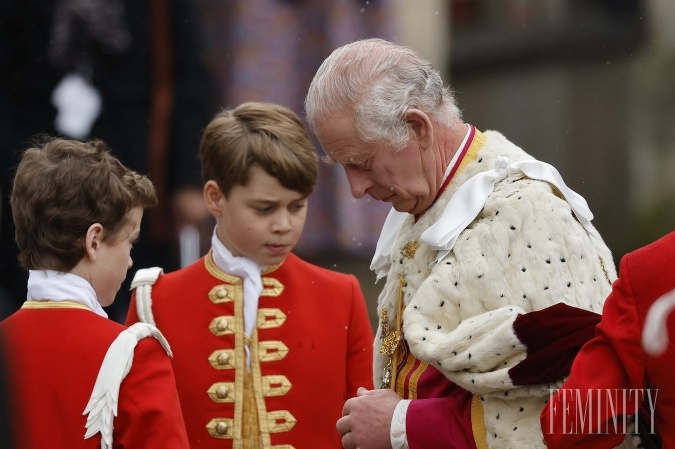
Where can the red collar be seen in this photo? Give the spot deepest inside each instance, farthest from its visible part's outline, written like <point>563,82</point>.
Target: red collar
<point>462,153</point>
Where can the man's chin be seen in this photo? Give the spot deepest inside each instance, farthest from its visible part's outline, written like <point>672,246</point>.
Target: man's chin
<point>404,206</point>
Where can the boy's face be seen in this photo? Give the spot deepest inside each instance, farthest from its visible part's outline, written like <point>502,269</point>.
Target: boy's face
<point>114,259</point>
<point>261,221</point>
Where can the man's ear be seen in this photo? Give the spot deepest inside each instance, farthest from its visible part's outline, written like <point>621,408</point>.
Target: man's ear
<point>420,126</point>
<point>92,240</point>
<point>212,197</point>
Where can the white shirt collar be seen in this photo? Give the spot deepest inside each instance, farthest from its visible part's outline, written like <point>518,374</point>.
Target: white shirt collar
<point>54,285</point>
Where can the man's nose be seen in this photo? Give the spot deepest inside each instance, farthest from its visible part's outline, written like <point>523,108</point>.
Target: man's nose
<point>358,181</point>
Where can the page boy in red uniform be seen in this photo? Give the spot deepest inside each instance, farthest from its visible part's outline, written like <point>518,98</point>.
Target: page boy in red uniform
<point>267,347</point>
<point>76,378</point>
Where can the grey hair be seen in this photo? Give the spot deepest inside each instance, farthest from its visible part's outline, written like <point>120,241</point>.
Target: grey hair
<point>379,82</point>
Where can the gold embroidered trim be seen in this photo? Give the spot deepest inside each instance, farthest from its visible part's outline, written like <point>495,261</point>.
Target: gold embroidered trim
<point>276,385</point>
<point>256,381</point>
<point>222,293</point>
<point>472,152</point>
<point>391,339</point>
<point>604,270</point>
<point>250,432</point>
<point>478,423</point>
<point>270,318</point>
<point>271,287</point>
<point>220,428</point>
<point>272,268</point>
<point>49,304</point>
<point>410,249</point>
<point>240,365</point>
<point>221,325</point>
<point>283,446</point>
<point>280,421</point>
<point>212,268</point>
<point>414,379</point>
<point>223,359</point>
<point>272,351</point>
<point>221,392</point>
<point>229,358</point>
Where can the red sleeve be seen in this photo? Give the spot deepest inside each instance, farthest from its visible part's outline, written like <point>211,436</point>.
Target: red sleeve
<point>440,422</point>
<point>606,366</point>
<point>149,414</point>
<point>360,345</point>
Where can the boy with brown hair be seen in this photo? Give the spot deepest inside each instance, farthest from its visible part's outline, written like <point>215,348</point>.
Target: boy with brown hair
<point>72,372</point>
<point>267,346</point>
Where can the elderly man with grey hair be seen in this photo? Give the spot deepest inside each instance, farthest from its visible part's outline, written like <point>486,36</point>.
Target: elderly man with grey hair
<point>494,273</point>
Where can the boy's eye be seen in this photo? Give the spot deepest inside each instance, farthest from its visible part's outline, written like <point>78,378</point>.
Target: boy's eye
<point>263,209</point>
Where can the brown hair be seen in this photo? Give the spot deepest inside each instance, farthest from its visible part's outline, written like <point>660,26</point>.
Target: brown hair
<point>264,134</point>
<point>61,188</point>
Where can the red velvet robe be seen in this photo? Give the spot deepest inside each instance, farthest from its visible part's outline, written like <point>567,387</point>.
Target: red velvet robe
<point>311,351</point>
<point>53,356</point>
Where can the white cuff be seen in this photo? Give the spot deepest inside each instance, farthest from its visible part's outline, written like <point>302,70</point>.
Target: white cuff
<point>399,440</point>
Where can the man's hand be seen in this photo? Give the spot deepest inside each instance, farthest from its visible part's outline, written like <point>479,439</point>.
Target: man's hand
<point>366,419</point>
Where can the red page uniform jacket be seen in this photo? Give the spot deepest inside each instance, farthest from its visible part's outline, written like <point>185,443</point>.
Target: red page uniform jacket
<point>54,352</point>
<point>310,352</point>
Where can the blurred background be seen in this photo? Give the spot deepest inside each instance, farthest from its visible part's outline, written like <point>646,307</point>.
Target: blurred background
<point>586,85</point>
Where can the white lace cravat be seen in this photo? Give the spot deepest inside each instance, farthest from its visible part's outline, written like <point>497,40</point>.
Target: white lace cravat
<point>470,199</point>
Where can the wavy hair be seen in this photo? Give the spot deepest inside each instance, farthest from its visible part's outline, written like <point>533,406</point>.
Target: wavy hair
<point>62,187</point>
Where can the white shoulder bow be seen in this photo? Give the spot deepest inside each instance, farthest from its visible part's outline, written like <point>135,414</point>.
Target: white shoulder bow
<point>466,204</point>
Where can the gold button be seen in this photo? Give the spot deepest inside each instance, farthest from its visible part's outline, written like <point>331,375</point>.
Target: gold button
<point>223,358</point>
<point>221,428</point>
<point>222,325</point>
<point>221,293</point>
<point>222,392</point>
